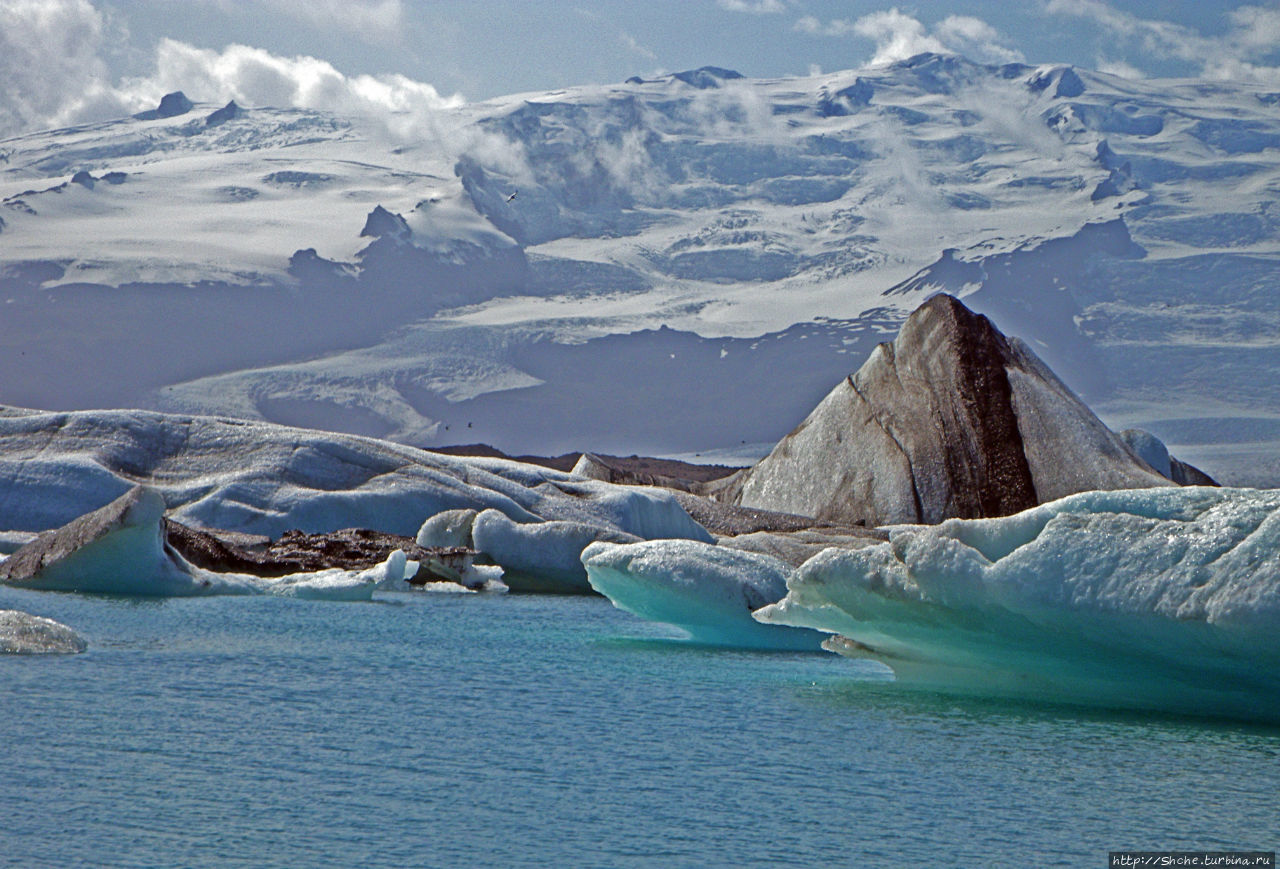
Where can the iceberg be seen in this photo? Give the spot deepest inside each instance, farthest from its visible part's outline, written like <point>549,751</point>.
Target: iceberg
<point>24,634</point>
<point>1160,599</point>
<point>261,478</point>
<point>546,556</point>
<point>707,591</point>
<point>540,556</point>
<point>121,549</point>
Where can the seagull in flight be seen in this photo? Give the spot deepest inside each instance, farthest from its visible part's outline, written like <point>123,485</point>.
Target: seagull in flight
<point>513,195</point>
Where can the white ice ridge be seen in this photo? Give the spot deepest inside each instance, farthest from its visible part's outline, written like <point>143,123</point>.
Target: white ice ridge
<point>265,479</point>
<point>707,591</point>
<point>1165,599</point>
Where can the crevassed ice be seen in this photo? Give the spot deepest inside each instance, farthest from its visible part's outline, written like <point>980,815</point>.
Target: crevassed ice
<point>1162,599</point>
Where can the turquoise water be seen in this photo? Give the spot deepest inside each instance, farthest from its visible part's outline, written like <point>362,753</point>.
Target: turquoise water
<point>441,730</point>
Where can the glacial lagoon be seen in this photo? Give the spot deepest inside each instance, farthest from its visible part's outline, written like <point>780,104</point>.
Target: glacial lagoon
<point>478,730</point>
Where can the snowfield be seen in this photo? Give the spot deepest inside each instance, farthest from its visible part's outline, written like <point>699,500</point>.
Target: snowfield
<point>669,266</point>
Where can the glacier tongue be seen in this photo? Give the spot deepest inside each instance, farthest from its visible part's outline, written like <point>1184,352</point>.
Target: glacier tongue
<point>1165,599</point>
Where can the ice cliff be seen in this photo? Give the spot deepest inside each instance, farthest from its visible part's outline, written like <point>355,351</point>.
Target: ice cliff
<point>707,591</point>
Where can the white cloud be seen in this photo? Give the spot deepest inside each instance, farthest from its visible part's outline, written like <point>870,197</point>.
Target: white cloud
<point>374,20</point>
<point>51,65</point>
<point>975,39</point>
<point>1119,67</point>
<point>255,77</point>
<point>836,27</point>
<point>753,7</point>
<point>370,21</point>
<point>898,36</point>
<point>635,47</point>
<point>51,60</point>
<point>1245,52</point>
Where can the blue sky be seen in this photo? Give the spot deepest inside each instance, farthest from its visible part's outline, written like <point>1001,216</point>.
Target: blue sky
<point>71,60</point>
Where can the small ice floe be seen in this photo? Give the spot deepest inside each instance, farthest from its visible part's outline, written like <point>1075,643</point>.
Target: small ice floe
<point>1163,599</point>
<point>24,634</point>
<point>446,571</point>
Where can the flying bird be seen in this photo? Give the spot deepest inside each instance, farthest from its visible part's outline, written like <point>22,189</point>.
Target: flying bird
<point>513,195</point>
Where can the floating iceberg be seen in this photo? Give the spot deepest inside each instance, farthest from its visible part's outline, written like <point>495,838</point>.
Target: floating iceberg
<point>545,556</point>
<point>708,591</point>
<point>24,634</point>
<point>540,556</point>
<point>121,549</point>
<point>1164,599</point>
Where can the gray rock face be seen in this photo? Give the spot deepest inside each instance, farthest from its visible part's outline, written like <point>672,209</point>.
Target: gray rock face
<point>24,634</point>
<point>952,419</point>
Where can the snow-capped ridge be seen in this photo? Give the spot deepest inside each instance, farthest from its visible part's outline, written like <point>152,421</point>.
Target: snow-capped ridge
<point>846,100</point>
<point>702,78</point>
<point>1063,80</point>
<point>730,212</point>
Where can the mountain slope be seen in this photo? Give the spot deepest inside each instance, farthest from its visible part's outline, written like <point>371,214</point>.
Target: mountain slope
<point>510,265</point>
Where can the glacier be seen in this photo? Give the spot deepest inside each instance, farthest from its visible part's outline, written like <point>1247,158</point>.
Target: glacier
<point>1160,599</point>
<point>673,239</point>
<point>707,591</point>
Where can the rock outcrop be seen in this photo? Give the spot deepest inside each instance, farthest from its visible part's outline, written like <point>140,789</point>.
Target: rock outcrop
<point>171,106</point>
<point>951,419</point>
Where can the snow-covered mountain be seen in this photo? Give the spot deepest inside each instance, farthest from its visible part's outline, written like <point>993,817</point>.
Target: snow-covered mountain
<point>681,265</point>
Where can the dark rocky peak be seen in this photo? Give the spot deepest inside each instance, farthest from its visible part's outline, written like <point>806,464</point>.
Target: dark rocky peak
<point>227,113</point>
<point>174,104</point>
<point>171,106</point>
<point>385,224</point>
<point>706,77</point>
<point>951,419</point>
